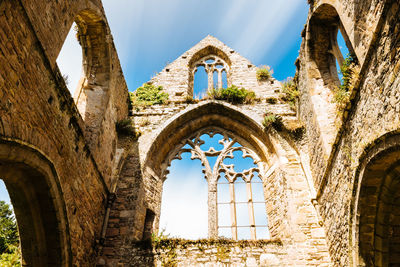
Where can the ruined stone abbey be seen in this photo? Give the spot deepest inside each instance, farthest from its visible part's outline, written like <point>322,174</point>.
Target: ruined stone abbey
<point>86,195</point>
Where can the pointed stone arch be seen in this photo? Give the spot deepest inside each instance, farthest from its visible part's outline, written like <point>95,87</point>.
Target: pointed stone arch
<point>92,94</point>
<point>209,116</point>
<point>201,57</point>
<point>322,53</point>
<point>38,204</point>
<point>375,210</point>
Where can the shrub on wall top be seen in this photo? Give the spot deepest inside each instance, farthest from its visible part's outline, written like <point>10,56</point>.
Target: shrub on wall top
<point>149,94</point>
<point>264,73</point>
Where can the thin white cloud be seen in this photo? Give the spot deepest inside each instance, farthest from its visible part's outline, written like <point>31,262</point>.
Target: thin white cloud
<point>263,27</point>
<point>232,14</point>
<point>125,18</point>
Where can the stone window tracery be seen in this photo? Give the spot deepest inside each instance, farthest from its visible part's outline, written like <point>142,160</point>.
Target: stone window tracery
<point>216,69</point>
<point>236,202</point>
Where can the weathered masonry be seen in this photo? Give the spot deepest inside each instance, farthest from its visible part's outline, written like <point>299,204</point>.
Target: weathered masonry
<point>85,196</point>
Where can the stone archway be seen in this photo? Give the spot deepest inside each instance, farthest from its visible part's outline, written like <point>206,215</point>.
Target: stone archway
<point>92,94</point>
<point>38,204</point>
<point>376,206</point>
<point>211,116</point>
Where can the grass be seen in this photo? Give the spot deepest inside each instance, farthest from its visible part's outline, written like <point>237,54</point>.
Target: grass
<point>295,127</point>
<point>272,120</point>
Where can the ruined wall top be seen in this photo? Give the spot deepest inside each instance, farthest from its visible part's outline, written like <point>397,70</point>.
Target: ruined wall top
<point>177,77</point>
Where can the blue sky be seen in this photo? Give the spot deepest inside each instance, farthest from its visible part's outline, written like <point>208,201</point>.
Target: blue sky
<point>148,34</point>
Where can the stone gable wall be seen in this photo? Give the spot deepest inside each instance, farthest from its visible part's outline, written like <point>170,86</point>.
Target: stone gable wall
<point>175,77</point>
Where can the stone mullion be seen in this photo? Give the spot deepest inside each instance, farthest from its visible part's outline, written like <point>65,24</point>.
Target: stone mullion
<point>210,79</point>
<point>251,210</point>
<point>219,79</point>
<point>212,210</point>
<point>233,210</point>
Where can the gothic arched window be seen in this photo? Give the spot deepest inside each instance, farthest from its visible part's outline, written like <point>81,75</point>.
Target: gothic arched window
<point>215,69</point>
<point>234,173</point>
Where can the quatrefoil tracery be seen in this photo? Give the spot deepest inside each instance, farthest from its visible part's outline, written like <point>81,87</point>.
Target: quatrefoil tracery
<point>216,64</point>
<point>192,145</point>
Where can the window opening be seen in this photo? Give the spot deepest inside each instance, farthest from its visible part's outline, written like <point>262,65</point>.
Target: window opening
<point>342,44</point>
<point>216,75</point>
<point>10,244</point>
<point>215,79</point>
<point>210,60</point>
<point>224,79</point>
<point>200,82</point>
<point>70,60</point>
<point>184,200</point>
<point>233,170</point>
<point>344,53</point>
<point>148,224</point>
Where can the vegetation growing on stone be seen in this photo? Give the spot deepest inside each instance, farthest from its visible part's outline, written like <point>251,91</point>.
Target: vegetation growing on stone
<point>271,100</point>
<point>190,100</point>
<point>272,120</point>
<point>349,71</point>
<point>124,127</point>
<point>168,248</point>
<point>163,241</point>
<point>264,73</point>
<point>233,94</point>
<point>290,92</point>
<point>9,241</point>
<point>293,127</point>
<point>149,94</point>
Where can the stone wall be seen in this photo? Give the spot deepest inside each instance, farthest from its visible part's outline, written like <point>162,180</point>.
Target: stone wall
<point>291,214</point>
<point>371,115</point>
<point>68,172</point>
<point>211,253</point>
<point>38,112</point>
<point>177,78</point>
<point>171,252</point>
